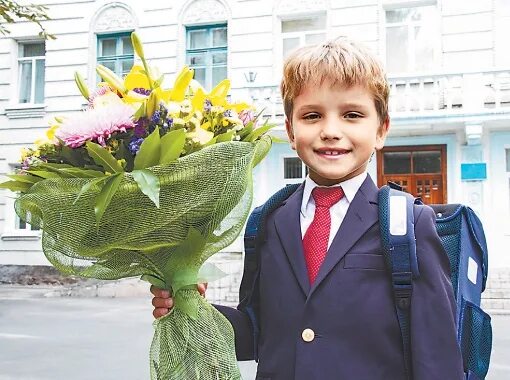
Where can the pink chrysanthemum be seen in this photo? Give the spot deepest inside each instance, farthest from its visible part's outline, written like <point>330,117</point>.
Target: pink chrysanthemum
<point>96,125</point>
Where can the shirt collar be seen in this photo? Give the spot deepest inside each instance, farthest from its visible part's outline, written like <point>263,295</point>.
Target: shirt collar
<point>350,188</point>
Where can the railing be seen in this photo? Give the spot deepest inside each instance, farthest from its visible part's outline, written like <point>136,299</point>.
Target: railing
<point>419,95</point>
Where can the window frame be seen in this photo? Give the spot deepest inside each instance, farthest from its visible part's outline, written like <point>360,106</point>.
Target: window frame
<point>209,51</point>
<point>11,230</point>
<point>303,33</point>
<point>411,51</point>
<point>117,58</point>
<point>291,181</point>
<point>33,78</point>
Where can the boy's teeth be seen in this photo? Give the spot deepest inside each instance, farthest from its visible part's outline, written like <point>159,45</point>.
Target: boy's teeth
<point>328,152</point>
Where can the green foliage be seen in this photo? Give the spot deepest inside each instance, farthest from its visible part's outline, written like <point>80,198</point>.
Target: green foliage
<point>10,10</point>
<point>172,145</point>
<point>105,196</point>
<point>148,184</point>
<point>149,152</point>
<point>103,158</point>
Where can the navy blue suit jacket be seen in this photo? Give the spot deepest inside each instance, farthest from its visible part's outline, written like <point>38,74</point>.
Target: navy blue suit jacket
<point>350,306</point>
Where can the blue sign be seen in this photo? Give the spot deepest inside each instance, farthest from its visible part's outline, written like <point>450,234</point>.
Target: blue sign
<point>473,171</point>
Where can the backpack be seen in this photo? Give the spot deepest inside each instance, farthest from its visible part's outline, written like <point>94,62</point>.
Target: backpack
<point>462,236</point>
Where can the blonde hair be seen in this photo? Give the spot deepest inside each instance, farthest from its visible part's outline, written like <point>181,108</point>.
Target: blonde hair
<point>343,62</point>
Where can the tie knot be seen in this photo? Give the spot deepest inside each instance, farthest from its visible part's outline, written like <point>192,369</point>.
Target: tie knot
<point>327,196</point>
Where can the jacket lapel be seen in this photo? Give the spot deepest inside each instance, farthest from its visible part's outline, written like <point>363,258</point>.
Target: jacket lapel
<point>361,215</point>
<point>288,227</point>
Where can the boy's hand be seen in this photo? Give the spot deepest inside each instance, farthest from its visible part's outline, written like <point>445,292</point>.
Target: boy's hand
<point>163,302</point>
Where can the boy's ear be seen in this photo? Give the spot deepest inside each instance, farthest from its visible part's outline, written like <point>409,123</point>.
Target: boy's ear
<point>290,133</point>
<point>382,132</point>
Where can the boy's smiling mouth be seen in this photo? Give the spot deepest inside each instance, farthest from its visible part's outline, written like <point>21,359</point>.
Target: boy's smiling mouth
<point>331,152</point>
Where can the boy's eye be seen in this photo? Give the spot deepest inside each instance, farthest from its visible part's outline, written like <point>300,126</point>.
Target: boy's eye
<point>353,115</point>
<point>311,116</point>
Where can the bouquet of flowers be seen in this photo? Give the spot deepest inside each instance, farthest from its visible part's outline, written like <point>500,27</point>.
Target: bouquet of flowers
<point>149,182</point>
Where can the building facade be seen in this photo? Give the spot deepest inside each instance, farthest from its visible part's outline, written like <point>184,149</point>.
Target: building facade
<point>447,62</point>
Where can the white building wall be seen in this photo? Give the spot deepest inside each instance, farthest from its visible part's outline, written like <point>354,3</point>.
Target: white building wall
<point>473,36</point>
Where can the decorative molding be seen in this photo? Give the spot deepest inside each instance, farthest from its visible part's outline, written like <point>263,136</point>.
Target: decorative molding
<point>300,6</point>
<point>114,18</point>
<point>22,111</point>
<point>20,235</point>
<point>205,11</point>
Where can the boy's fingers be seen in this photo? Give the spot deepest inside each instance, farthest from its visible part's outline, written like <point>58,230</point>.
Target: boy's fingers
<point>166,303</point>
<point>161,293</point>
<point>159,312</point>
<point>202,287</point>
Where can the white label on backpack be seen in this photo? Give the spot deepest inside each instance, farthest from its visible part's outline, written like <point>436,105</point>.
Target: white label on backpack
<point>472,270</point>
<point>398,215</point>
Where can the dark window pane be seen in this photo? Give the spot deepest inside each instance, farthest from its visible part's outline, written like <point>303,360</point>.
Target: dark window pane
<point>507,160</point>
<point>198,39</point>
<point>197,59</point>
<point>32,50</point>
<point>218,74</point>
<point>108,47</point>
<point>25,85</point>
<point>397,162</point>
<point>292,167</point>
<point>39,81</point>
<point>219,58</point>
<point>199,75</point>
<point>127,47</point>
<point>219,37</point>
<point>427,162</point>
<point>126,65</point>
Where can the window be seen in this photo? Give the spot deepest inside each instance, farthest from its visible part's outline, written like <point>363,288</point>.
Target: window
<point>412,39</point>
<point>206,53</point>
<point>294,171</point>
<point>507,152</point>
<point>300,32</point>
<point>115,52</point>
<point>420,170</point>
<point>31,67</point>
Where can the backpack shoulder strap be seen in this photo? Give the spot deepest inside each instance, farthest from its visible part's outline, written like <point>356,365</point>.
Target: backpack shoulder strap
<point>396,221</point>
<point>254,234</point>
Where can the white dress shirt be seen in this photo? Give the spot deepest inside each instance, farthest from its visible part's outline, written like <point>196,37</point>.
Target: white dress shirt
<point>338,210</point>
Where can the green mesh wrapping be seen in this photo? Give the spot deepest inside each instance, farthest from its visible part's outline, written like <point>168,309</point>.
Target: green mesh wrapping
<point>205,198</point>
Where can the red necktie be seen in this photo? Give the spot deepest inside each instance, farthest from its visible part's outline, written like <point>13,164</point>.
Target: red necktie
<point>316,239</point>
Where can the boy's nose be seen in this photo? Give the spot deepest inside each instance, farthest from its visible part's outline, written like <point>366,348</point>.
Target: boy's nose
<point>331,130</point>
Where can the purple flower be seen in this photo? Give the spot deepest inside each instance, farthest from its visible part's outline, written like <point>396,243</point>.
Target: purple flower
<point>156,116</point>
<point>227,113</point>
<point>246,116</point>
<point>142,91</point>
<point>134,145</point>
<point>207,105</point>
<point>140,127</point>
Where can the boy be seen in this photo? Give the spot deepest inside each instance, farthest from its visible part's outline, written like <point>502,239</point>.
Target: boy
<point>325,304</point>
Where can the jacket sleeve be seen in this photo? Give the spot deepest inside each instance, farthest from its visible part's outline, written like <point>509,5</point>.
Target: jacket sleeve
<point>242,330</point>
<point>435,352</point>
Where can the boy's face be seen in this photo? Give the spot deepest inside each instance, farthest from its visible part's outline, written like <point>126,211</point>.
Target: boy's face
<point>335,130</point>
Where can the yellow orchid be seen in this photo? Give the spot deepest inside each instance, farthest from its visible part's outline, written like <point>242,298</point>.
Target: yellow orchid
<point>106,100</point>
<point>181,84</point>
<point>136,78</point>
<point>49,137</point>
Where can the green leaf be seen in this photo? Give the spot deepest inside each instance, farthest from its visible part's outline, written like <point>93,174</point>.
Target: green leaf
<point>103,158</point>
<point>88,185</point>
<point>159,81</point>
<point>148,183</point>
<point>140,112</point>
<point>149,152</point>
<point>83,173</point>
<point>26,178</point>
<point>72,156</point>
<point>248,128</point>
<point>44,174</point>
<point>209,273</point>
<point>278,140</point>
<point>259,132</point>
<point>16,186</point>
<point>224,137</point>
<point>105,196</point>
<point>153,280</point>
<point>172,145</point>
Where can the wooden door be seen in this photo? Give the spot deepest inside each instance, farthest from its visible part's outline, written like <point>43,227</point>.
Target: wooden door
<point>420,170</point>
